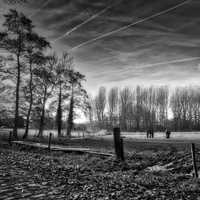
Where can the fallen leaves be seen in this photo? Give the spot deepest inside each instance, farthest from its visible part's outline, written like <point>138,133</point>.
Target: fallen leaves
<point>85,177</point>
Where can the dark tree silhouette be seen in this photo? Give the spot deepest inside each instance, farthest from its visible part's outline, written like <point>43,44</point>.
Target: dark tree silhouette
<point>62,81</point>
<point>77,95</point>
<point>46,82</point>
<point>34,56</point>
<point>13,39</point>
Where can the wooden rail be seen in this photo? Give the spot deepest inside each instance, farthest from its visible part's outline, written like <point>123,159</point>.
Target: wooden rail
<point>61,148</point>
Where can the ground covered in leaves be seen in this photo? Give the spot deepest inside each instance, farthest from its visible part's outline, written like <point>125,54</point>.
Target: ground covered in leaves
<point>148,174</point>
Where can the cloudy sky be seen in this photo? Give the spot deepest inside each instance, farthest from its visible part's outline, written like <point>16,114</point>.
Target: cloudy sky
<point>153,49</point>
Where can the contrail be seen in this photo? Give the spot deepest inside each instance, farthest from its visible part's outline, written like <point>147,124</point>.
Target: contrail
<point>39,9</point>
<point>85,22</point>
<point>153,65</point>
<point>129,25</point>
<point>171,62</point>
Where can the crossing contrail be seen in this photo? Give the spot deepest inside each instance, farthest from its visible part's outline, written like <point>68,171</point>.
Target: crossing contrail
<point>130,25</point>
<point>85,22</point>
<point>39,9</point>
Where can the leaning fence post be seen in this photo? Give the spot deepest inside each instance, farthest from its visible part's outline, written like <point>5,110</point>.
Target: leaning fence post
<point>194,160</point>
<point>10,138</point>
<point>118,144</point>
<point>49,144</point>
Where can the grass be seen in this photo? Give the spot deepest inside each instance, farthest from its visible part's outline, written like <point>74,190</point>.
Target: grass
<point>106,144</point>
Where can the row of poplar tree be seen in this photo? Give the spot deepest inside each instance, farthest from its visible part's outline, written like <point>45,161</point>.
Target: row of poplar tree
<point>143,108</point>
<point>32,79</point>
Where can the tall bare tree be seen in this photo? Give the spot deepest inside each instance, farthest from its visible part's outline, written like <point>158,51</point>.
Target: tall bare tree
<point>34,57</point>
<point>126,100</point>
<point>100,105</point>
<point>77,97</point>
<point>13,39</point>
<point>46,82</point>
<point>113,100</point>
<point>63,73</point>
<point>162,98</point>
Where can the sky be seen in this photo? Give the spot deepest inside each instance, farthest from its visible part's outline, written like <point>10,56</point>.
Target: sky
<point>161,49</point>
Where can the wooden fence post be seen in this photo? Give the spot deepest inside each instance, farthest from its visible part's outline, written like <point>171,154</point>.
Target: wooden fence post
<point>10,138</point>
<point>122,149</point>
<point>118,144</point>
<point>49,144</point>
<point>194,160</point>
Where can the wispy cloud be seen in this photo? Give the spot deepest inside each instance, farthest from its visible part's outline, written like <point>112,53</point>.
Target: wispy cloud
<point>141,41</point>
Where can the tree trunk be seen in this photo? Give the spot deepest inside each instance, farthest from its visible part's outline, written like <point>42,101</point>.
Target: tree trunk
<point>102,120</point>
<point>111,123</point>
<point>137,117</point>
<point>70,116</point>
<point>17,100</point>
<point>137,124</point>
<point>42,115</point>
<point>59,112</point>
<point>30,103</point>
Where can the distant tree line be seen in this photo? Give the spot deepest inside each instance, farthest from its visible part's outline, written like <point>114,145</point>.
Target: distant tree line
<point>185,105</point>
<point>36,85</point>
<point>143,108</point>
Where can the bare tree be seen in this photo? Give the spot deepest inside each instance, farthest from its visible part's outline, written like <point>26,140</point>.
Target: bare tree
<point>13,39</point>
<point>62,73</point>
<point>91,109</point>
<point>185,106</point>
<point>100,104</point>
<point>126,100</point>
<point>34,57</point>
<point>162,96</point>
<point>113,99</point>
<point>46,82</point>
<point>77,97</point>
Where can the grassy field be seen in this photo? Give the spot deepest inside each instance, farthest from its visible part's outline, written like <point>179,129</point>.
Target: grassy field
<point>104,142</point>
<point>34,132</point>
<point>194,135</point>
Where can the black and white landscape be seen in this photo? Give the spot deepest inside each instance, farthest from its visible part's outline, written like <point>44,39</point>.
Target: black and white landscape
<point>99,99</point>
